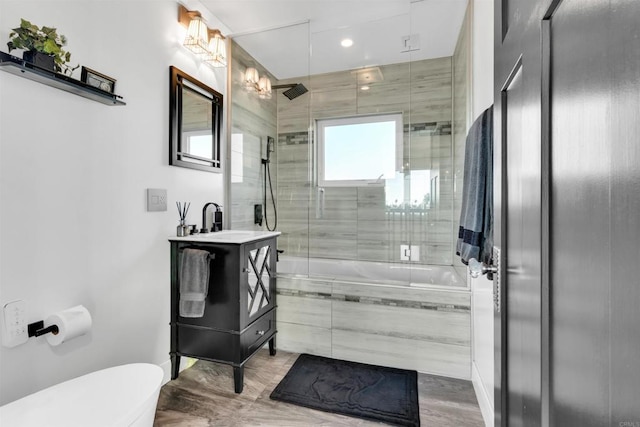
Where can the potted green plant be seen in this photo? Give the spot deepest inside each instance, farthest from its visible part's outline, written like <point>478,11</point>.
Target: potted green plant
<point>42,46</point>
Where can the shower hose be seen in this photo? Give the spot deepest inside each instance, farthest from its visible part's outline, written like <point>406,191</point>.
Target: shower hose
<point>267,175</point>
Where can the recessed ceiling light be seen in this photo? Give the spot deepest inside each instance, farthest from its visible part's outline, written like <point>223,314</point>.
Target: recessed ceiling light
<point>346,43</point>
<point>365,88</point>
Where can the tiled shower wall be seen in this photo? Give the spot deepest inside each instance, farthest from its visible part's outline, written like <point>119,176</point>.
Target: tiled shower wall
<point>356,223</point>
<point>253,119</point>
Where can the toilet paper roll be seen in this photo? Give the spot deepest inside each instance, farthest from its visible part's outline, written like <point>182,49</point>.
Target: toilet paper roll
<point>72,323</point>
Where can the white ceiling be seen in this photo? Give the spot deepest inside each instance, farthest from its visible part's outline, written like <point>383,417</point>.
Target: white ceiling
<point>294,38</point>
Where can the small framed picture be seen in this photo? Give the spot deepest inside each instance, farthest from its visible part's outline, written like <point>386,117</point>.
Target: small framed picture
<point>98,80</point>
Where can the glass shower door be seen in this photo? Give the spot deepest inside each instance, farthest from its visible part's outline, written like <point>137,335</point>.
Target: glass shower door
<point>360,110</point>
<point>269,145</point>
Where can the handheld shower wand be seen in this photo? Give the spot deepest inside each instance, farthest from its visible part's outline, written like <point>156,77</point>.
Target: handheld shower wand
<point>270,149</point>
<point>267,175</point>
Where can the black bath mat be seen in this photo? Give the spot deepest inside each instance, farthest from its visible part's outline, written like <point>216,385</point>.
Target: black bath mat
<point>366,391</point>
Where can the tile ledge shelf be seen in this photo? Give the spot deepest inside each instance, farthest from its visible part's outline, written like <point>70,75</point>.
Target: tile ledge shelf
<point>20,67</point>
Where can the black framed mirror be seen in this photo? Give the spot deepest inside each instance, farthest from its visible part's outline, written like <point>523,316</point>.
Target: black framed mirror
<point>195,123</point>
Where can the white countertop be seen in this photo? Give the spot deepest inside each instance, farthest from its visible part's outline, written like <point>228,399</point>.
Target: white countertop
<point>227,236</point>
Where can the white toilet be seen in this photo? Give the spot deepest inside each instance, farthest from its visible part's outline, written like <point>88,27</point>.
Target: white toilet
<point>121,396</point>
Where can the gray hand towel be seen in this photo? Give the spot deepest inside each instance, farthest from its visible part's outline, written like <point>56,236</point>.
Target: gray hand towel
<point>194,282</point>
<point>475,235</point>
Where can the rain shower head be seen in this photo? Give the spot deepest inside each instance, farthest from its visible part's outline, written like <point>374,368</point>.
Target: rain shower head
<point>294,91</point>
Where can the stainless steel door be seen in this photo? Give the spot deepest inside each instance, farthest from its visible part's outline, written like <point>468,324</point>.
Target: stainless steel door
<point>518,204</point>
<point>567,116</point>
<point>595,213</point>
<point>518,209</point>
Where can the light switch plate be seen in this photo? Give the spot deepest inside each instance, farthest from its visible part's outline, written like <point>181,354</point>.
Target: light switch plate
<point>156,199</point>
<point>15,324</point>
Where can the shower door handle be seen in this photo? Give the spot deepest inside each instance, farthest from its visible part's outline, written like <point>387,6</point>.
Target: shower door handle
<point>320,203</point>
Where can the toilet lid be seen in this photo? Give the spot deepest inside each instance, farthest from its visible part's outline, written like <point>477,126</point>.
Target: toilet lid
<point>111,397</point>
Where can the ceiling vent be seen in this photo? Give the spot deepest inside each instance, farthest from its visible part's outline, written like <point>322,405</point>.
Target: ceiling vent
<point>410,43</point>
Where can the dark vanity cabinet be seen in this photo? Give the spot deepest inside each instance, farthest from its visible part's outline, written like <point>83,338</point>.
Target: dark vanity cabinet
<point>240,308</point>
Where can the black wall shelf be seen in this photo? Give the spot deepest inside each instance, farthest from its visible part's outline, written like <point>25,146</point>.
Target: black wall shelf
<point>20,67</point>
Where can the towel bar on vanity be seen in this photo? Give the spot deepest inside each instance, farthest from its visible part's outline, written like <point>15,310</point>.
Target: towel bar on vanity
<point>211,256</point>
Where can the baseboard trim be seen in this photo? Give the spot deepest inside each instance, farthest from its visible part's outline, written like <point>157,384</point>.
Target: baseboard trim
<point>486,406</point>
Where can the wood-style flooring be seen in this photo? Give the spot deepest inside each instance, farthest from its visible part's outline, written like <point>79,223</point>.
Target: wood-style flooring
<point>203,396</point>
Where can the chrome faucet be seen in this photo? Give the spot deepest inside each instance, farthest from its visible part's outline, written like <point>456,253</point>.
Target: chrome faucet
<point>217,218</point>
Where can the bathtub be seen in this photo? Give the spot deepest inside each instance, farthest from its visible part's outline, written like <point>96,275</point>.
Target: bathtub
<point>372,272</point>
<point>406,316</point>
<point>121,396</point>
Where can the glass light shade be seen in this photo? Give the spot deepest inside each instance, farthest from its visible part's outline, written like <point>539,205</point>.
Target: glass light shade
<point>264,88</point>
<point>217,55</point>
<point>251,78</point>
<point>197,36</point>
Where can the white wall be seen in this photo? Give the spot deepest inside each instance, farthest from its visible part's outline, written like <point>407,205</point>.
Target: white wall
<point>482,70</point>
<point>482,345</point>
<point>481,288</point>
<point>73,222</point>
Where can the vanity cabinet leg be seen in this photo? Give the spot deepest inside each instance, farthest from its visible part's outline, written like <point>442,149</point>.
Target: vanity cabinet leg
<point>272,346</point>
<point>175,366</point>
<point>238,378</point>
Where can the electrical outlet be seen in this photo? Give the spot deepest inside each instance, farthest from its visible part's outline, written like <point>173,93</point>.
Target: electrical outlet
<point>15,324</point>
<point>156,199</point>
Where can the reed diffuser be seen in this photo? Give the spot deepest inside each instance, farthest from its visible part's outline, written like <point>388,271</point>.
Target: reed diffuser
<point>183,229</point>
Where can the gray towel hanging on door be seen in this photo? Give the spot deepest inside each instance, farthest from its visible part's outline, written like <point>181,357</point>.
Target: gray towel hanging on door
<point>475,234</point>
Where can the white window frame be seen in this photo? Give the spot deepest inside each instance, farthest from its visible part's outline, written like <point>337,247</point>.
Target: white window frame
<point>321,124</point>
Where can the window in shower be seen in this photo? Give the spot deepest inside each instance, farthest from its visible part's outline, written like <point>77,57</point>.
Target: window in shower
<point>359,150</point>
<point>412,189</point>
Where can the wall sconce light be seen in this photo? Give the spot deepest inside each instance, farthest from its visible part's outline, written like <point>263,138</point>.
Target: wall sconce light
<point>197,34</point>
<point>251,79</point>
<point>217,50</point>
<point>208,44</point>
<point>254,83</point>
<point>264,88</point>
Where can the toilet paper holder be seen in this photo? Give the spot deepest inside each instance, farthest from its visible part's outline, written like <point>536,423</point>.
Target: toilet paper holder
<point>37,329</point>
